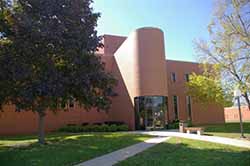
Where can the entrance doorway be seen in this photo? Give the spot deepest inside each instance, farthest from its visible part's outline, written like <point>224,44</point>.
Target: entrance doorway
<point>150,112</point>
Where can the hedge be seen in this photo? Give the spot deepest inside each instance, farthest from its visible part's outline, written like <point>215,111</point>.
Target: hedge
<point>175,124</point>
<point>94,128</point>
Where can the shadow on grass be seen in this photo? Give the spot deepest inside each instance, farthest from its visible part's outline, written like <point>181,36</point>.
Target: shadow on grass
<point>206,134</point>
<point>25,141</point>
<point>66,149</point>
<point>184,152</point>
<point>28,137</point>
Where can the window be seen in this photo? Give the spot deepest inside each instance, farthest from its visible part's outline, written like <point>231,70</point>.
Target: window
<point>187,77</point>
<point>189,110</point>
<point>173,77</point>
<point>150,112</point>
<point>175,101</point>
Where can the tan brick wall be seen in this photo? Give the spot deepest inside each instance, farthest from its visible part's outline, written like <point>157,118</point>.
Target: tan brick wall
<point>141,69</point>
<point>200,115</point>
<point>25,122</point>
<point>12,123</point>
<point>232,114</point>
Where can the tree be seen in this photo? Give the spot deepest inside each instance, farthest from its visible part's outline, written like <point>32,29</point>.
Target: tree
<point>4,5</point>
<point>47,57</point>
<point>228,48</point>
<point>207,90</point>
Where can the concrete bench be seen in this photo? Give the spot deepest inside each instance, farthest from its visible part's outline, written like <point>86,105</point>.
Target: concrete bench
<point>198,130</point>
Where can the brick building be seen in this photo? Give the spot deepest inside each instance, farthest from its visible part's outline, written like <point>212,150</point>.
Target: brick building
<point>232,114</point>
<point>151,90</point>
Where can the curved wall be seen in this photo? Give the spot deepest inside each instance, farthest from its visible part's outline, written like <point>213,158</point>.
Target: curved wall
<point>141,60</point>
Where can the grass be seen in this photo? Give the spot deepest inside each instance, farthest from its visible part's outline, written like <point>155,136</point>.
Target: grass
<point>231,130</point>
<point>62,149</point>
<point>187,152</point>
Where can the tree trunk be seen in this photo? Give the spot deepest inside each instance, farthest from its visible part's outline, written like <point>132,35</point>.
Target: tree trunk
<point>41,135</point>
<point>247,100</point>
<point>240,116</point>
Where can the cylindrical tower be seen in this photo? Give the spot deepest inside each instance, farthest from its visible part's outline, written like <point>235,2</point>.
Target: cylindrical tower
<point>141,61</point>
<point>150,66</point>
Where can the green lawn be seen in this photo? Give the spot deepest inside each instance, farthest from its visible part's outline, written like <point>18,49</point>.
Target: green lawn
<point>62,149</point>
<point>187,152</point>
<point>231,130</point>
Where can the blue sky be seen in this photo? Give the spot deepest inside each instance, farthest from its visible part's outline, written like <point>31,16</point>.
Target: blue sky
<point>182,21</point>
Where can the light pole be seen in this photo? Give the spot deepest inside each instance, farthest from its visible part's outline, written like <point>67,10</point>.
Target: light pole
<point>237,94</point>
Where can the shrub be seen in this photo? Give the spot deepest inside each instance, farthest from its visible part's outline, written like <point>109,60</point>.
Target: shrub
<point>71,124</point>
<point>105,128</point>
<point>112,128</point>
<point>88,128</point>
<point>173,125</point>
<point>94,128</point>
<point>176,121</point>
<point>122,127</point>
<point>114,123</point>
<point>97,123</point>
<point>85,124</point>
<point>98,128</point>
<point>189,123</point>
<point>73,129</point>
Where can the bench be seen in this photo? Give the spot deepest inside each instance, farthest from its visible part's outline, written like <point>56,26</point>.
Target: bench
<point>199,130</point>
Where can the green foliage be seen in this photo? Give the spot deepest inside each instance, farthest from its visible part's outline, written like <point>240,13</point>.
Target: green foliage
<point>122,127</point>
<point>228,48</point>
<point>206,90</point>
<point>50,59</point>
<point>173,125</point>
<point>189,123</point>
<point>94,128</point>
<point>112,128</point>
<point>4,17</point>
<point>47,56</point>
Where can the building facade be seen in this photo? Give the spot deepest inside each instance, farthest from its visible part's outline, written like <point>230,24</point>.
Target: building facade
<point>151,90</point>
<point>232,114</point>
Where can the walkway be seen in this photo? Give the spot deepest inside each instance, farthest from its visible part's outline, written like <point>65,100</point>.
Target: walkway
<point>122,154</point>
<point>215,139</point>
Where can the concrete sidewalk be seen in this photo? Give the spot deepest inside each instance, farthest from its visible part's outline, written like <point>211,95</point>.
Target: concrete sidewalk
<point>122,154</point>
<point>215,139</point>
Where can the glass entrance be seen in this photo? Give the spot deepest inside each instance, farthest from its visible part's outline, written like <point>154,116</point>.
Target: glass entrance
<point>150,112</point>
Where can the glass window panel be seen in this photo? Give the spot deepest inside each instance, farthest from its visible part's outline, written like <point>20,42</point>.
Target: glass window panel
<point>173,77</point>
<point>175,101</point>
<point>150,112</point>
